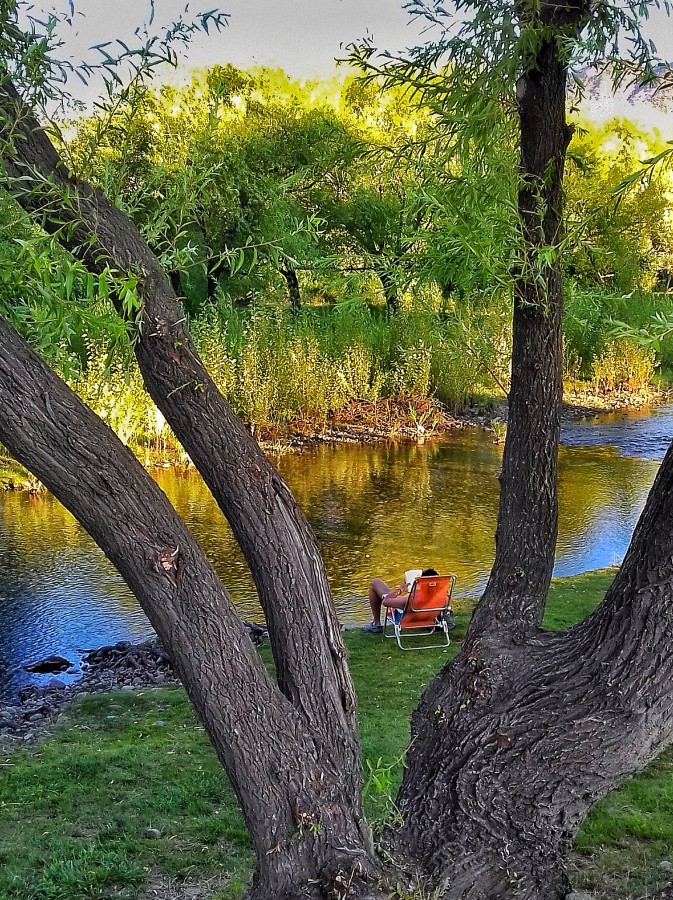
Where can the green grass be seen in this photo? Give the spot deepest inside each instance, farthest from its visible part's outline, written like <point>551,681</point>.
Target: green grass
<point>572,599</point>
<point>74,809</point>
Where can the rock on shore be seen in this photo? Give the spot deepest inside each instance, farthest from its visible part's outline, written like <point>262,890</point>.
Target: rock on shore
<point>121,666</point>
<point>108,668</point>
<point>49,665</point>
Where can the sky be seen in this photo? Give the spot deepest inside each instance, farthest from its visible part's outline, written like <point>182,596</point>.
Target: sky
<point>301,36</point>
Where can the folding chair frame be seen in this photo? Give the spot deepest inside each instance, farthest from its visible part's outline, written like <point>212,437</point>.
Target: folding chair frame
<point>395,618</point>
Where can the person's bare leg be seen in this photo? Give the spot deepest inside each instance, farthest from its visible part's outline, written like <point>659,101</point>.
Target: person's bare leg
<point>377,590</point>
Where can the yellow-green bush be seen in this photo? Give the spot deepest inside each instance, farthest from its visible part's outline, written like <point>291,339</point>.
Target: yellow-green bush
<point>358,373</point>
<point>623,365</point>
<point>274,367</point>
<point>118,396</point>
<point>410,375</point>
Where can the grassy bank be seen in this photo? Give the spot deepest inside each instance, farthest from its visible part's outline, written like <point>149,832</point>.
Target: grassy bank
<point>74,809</point>
<point>279,369</point>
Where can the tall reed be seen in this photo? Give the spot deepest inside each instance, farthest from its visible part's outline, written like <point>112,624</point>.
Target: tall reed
<point>275,367</point>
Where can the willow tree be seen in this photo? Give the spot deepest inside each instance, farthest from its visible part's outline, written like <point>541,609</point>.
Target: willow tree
<point>519,735</point>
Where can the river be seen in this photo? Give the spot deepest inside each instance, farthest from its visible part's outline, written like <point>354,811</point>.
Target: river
<point>377,510</point>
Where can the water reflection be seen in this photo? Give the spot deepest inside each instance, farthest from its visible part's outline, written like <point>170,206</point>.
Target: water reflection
<point>376,510</point>
<point>381,510</point>
<point>644,434</point>
<point>601,495</point>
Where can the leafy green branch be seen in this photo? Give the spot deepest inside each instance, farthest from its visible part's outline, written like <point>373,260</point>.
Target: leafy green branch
<point>647,171</point>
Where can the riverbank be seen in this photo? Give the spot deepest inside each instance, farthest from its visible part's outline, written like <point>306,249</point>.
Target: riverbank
<point>420,420</point>
<point>124,666</point>
<point>123,796</point>
<point>366,422</point>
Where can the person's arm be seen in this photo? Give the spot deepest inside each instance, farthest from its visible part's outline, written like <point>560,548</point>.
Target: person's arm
<point>395,597</point>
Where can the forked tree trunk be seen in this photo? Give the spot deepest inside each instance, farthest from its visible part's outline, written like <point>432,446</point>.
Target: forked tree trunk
<point>309,654</point>
<point>277,543</point>
<point>517,738</point>
<point>513,741</point>
<point>309,837</point>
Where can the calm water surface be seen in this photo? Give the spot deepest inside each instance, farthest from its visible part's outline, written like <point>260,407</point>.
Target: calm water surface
<point>376,510</point>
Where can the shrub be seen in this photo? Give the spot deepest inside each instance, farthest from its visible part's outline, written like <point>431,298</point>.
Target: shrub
<point>623,365</point>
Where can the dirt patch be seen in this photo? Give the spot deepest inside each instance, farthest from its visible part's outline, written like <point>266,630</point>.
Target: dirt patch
<point>582,404</point>
<point>162,887</point>
<point>363,421</point>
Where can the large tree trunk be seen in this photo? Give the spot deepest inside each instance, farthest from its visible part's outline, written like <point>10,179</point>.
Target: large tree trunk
<point>306,830</point>
<point>278,545</point>
<point>516,738</point>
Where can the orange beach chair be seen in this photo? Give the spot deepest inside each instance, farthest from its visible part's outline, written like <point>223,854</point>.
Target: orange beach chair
<point>427,611</point>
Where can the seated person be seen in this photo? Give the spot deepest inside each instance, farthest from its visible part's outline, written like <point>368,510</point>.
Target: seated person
<point>396,598</point>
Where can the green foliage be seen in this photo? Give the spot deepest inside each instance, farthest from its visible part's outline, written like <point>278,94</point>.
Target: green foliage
<point>467,75</point>
<point>585,323</point>
<point>278,367</point>
<point>623,365</point>
<point>52,299</point>
<point>623,242</point>
<point>218,175</point>
<point>115,392</point>
<point>600,328</point>
<point>379,779</point>
<point>397,187</point>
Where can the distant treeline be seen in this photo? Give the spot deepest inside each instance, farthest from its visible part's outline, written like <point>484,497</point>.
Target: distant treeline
<point>331,243</point>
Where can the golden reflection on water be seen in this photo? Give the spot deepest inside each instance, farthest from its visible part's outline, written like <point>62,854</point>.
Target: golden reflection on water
<point>383,509</point>
<point>377,510</point>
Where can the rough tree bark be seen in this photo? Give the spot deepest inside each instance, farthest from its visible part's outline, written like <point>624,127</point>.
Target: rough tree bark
<point>517,738</point>
<point>513,741</point>
<point>280,548</point>
<point>278,545</point>
<point>294,796</point>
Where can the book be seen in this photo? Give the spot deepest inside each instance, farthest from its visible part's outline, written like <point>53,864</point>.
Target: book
<point>411,575</point>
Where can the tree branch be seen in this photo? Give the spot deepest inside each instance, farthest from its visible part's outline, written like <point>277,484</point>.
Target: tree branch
<point>277,543</point>
<point>281,774</point>
<point>50,431</point>
<point>515,597</point>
